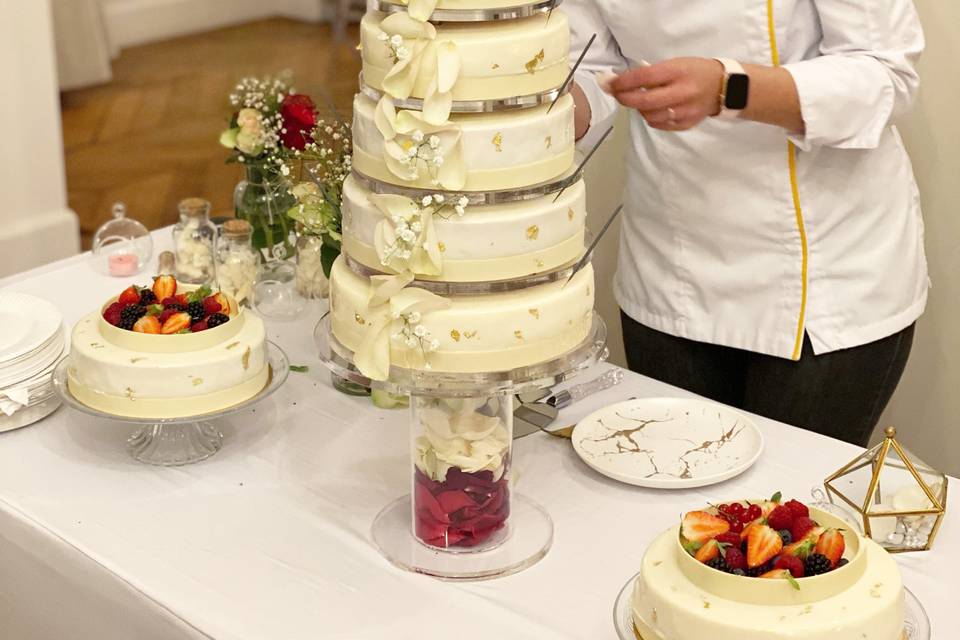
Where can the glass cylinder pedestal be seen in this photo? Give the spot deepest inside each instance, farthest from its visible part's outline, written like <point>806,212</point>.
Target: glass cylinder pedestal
<point>461,519</point>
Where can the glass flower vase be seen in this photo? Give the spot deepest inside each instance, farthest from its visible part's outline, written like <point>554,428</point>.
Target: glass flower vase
<point>461,471</point>
<point>263,198</point>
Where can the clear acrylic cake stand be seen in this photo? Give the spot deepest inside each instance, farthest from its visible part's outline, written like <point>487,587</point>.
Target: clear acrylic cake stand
<point>182,440</point>
<point>916,624</point>
<point>528,532</point>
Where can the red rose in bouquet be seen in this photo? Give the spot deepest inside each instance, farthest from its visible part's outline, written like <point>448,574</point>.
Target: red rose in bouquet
<point>463,510</point>
<point>299,115</point>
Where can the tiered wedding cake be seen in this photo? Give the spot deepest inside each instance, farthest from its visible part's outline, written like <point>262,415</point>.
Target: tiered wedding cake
<point>453,121</point>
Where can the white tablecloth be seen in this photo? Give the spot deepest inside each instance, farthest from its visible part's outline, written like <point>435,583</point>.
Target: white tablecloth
<point>269,539</point>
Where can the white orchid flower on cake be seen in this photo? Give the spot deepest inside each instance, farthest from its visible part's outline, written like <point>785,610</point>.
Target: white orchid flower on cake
<point>459,434</point>
<point>420,61</point>
<point>413,146</point>
<point>406,238</point>
<point>393,314</point>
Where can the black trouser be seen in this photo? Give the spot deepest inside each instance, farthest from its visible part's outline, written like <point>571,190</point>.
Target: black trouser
<point>839,394</point>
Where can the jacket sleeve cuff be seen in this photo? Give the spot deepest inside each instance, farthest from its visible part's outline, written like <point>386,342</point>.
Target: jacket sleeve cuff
<point>603,108</point>
<point>844,102</point>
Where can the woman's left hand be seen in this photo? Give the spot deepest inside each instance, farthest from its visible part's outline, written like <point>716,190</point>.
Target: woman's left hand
<point>673,95</point>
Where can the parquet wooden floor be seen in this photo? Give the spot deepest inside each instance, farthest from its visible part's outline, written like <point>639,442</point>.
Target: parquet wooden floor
<point>149,137</point>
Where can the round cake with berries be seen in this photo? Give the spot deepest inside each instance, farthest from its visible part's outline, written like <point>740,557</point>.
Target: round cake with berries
<point>167,351</point>
<point>767,570</point>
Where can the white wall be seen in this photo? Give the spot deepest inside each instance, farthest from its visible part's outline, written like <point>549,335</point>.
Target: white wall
<point>926,407</point>
<point>36,226</point>
<point>133,22</point>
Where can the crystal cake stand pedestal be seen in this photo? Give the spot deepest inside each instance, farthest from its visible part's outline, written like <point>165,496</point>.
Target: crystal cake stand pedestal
<point>182,440</point>
<point>465,524</point>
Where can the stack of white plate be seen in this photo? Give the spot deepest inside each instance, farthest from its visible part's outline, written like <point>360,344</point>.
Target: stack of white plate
<point>31,345</point>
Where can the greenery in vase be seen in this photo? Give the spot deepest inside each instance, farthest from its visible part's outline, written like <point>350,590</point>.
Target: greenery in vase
<point>325,163</point>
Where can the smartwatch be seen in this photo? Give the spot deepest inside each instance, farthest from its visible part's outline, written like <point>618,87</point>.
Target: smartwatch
<point>735,89</point>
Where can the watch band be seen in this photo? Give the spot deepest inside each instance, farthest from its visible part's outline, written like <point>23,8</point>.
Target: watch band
<point>730,68</point>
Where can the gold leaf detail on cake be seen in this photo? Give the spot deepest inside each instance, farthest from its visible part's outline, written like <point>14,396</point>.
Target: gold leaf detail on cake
<point>129,393</point>
<point>246,359</point>
<point>469,334</point>
<point>518,334</point>
<point>533,64</point>
<point>442,247</point>
<point>96,345</point>
<point>232,345</point>
<point>706,604</point>
<point>498,141</point>
<point>136,360</point>
<point>455,335</point>
<point>533,232</point>
<point>359,319</point>
<point>570,215</point>
<point>548,141</point>
<point>653,616</point>
<point>197,382</point>
<point>658,562</point>
<point>495,66</point>
<point>535,313</point>
<point>588,291</point>
<point>540,263</point>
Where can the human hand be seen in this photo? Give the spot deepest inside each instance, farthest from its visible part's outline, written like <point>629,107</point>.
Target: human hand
<point>673,95</point>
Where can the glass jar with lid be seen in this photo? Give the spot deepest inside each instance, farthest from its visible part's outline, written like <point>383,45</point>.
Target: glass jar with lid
<point>121,246</point>
<point>237,262</point>
<point>194,237</point>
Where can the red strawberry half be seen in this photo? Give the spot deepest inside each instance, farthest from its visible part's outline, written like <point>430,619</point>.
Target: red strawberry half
<point>700,526</point>
<point>763,543</point>
<point>831,544</point>
<point>130,295</point>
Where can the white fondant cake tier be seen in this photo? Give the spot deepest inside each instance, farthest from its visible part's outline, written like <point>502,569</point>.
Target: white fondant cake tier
<point>676,597</point>
<point>477,333</point>
<point>488,242</point>
<point>504,150</point>
<point>502,59</point>
<point>161,376</point>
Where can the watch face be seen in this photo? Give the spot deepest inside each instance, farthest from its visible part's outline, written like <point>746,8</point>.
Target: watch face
<point>738,88</point>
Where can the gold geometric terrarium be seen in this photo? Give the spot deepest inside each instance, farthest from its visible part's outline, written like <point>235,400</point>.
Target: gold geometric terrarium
<point>900,498</point>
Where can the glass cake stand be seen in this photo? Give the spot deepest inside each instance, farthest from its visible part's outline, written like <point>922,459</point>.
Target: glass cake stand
<point>916,624</point>
<point>463,523</point>
<point>182,440</point>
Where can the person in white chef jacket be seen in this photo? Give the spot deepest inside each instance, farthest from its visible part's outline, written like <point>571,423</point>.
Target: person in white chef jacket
<point>771,254</point>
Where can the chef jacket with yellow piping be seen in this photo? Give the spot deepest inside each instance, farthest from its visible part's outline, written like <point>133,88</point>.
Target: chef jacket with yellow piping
<point>738,234</point>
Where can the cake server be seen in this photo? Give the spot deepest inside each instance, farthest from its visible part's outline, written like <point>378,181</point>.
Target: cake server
<point>532,416</point>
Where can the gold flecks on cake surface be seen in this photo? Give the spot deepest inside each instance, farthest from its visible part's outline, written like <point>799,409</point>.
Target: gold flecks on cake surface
<point>534,63</point>
<point>570,215</point>
<point>469,334</point>
<point>540,263</point>
<point>495,66</point>
<point>442,247</point>
<point>498,141</point>
<point>518,334</point>
<point>246,359</point>
<point>455,335</point>
<point>129,393</point>
<point>96,345</point>
<point>136,360</point>
<point>533,232</point>
<point>548,141</point>
<point>359,319</point>
<point>535,313</point>
<point>197,382</point>
<point>232,345</point>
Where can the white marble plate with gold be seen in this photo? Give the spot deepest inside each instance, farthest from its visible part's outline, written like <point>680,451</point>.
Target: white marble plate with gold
<point>668,443</point>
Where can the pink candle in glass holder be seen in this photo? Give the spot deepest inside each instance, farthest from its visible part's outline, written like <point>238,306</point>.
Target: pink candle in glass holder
<point>123,264</point>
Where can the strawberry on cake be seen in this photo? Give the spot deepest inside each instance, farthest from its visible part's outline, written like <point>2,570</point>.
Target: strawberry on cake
<point>168,350</point>
<point>766,569</point>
